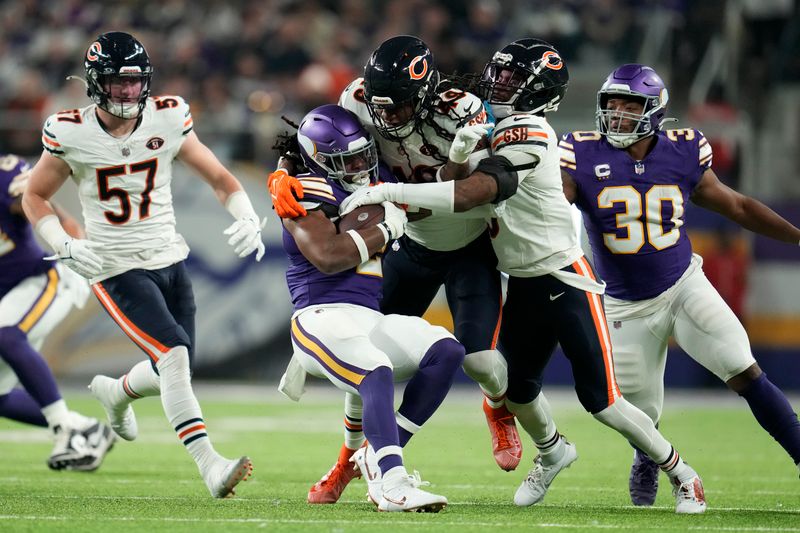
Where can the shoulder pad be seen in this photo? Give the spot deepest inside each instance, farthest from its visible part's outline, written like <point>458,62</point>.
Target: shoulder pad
<point>566,151</point>
<point>59,128</point>
<point>175,110</point>
<point>693,139</point>
<point>317,189</point>
<point>460,106</point>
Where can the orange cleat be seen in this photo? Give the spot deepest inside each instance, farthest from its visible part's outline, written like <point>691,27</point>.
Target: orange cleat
<point>506,445</point>
<point>329,489</point>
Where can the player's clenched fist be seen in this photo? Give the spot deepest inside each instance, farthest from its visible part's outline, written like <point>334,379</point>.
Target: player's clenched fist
<point>76,254</point>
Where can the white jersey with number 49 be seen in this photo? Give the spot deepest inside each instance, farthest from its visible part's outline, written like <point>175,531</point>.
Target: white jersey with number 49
<point>414,159</point>
<point>124,183</point>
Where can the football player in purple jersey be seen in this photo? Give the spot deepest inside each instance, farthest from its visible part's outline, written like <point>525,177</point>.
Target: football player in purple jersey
<point>338,331</point>
<point>35,295</point>
<point>553,295</point>
<point>633,181</point>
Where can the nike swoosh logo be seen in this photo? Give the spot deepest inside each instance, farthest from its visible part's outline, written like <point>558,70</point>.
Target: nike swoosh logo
<point>559,295</point>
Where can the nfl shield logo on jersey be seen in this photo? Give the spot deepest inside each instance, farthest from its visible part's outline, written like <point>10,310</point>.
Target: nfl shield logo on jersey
<point>617,324</point>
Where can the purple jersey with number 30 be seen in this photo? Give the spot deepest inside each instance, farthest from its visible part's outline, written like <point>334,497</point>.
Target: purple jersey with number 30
<point>634,211</point>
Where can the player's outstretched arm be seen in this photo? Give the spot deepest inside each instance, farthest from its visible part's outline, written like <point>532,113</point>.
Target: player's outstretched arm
<point>445,197</point>
<point>748,212</point>
<point>245,232</point>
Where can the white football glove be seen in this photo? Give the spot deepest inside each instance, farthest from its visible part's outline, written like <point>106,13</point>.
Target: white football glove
<point>466,140</point>
<point>246,237</point>
<point>394,221</point>
<point>383,192</point>
<point>77,255</point>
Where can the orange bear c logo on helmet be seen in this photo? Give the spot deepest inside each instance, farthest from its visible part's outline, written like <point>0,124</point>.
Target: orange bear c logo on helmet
<point>412,68</point>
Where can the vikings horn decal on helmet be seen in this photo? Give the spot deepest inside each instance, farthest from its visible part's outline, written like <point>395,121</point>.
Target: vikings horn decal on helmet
<point>525,76</point>
<point>634,82</point>
<point>113,57</point>
<point>333,143</point>
<point>400,79</point>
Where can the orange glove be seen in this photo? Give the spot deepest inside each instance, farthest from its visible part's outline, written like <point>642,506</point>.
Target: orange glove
<point>285,190</point>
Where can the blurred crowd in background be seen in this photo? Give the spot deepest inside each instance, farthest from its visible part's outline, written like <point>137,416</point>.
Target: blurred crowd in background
<point>732,68</point>
<point>243,64</point>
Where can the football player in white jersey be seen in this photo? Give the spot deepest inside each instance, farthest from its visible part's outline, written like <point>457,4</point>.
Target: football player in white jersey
<point>35,295</point>
<point>414,123</point>
<point>553,294</point>
<point>120,151</point>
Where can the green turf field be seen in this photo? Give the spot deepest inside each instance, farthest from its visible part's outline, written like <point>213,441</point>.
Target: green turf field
<point>152,484</point>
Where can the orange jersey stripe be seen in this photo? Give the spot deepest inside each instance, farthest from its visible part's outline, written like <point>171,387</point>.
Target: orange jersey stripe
<point>47,140</point>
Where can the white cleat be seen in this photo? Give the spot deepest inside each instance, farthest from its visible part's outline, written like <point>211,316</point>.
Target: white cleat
<point>367,463</point>
<point>121,417</point>
<point>70,449</point>
<point>99,441</point>
<point>402,494</point>
<point>690,498</point>
<point>534,487</point>
<point>225,474</point>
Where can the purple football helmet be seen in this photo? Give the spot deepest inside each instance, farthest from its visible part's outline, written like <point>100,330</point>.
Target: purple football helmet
<point>633,82</point>
<point>333,143</point>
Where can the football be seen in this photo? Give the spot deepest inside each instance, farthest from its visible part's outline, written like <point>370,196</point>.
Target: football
<point>361,217</point>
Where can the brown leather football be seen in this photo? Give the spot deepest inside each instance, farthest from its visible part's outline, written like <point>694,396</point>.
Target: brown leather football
<point>361,217</point>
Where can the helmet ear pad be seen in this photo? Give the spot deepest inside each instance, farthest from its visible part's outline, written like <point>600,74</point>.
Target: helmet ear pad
<point>117,55</point>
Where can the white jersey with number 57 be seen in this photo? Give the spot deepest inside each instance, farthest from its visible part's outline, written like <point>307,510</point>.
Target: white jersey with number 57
<point>124,183</point>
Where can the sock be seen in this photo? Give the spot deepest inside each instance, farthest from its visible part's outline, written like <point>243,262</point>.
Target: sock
<point>377,394</point>
<point>429,386</point>
<point>775,414</point>
<point>380,428</point>
<point>488,368</point>
<point>19,405</point>
<point>639,429</point>
<point>675,468</point>
<point>29,366</point>
<point>537,420</point>
<point>495,403</point>
<point>56,414</point>
<point>182,408</point>
<point>141,381</point>
<point>353,428</point>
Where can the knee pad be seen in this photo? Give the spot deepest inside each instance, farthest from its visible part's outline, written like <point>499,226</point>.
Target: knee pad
<point>485,365</point>
<point>447,352</point>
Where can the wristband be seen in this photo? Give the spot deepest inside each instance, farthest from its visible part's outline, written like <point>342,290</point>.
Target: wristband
<point>387,235</point>
<point>363,251</point>
<point>51,230</point>
<point>239,206</point>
